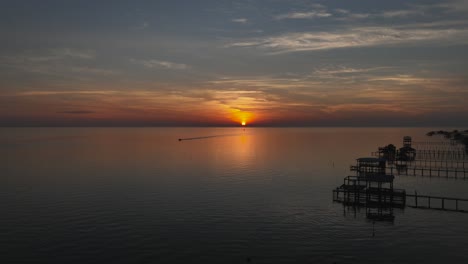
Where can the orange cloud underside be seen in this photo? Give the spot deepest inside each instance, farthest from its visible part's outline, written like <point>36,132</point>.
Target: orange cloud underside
<point>120,107</point>
<point>177,108</point>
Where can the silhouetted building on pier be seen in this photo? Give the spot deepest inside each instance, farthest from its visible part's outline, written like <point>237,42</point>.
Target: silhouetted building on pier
<point>371,187</point>
<point>406,153</point>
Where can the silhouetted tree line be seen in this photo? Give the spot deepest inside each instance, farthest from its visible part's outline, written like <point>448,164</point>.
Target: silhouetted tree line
<point>389,152</point>
<point>459,136</point>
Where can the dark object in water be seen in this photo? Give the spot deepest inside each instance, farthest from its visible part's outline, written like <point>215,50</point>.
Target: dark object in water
<point>205,137</point>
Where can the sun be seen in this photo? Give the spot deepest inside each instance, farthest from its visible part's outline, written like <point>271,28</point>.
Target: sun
<point>240,117</point>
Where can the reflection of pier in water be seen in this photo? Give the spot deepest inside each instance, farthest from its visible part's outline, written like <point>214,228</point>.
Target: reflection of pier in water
<point>372,186</point>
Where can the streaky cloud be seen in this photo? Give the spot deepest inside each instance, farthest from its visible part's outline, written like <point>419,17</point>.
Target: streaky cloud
<point>46,93</point>
<point>75,53</point>
<point>152,63</point>
<point>240,20</point>
<point>304,15</point>
<point>356,37</point>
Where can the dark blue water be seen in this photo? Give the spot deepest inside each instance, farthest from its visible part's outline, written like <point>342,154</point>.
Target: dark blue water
<point>139,195</point>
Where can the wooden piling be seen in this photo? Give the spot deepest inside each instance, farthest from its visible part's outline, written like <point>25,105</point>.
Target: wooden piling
<point>416,199</point>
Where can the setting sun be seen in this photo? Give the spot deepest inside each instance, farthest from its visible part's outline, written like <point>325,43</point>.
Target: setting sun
<point>241,117</point>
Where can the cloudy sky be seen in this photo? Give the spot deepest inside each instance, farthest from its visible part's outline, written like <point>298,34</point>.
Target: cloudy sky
<point>219,62</point>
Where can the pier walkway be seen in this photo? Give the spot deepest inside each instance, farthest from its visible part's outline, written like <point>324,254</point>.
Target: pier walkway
<point>456,173</point>
<point>437,202</point>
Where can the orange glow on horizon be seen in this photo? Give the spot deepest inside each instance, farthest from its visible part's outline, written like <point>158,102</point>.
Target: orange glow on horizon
<point>241,117</point>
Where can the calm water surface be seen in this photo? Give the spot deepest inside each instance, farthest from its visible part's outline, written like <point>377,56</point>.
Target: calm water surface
<point>138,195</point>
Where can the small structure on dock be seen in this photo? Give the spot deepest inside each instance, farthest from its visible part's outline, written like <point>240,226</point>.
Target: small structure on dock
<point>369,166</point>
<point>406,153</point>
<point>371,187</point>
<point>388,152</point>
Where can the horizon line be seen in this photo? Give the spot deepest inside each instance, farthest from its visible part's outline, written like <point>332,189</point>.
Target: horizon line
<point>224,126</point>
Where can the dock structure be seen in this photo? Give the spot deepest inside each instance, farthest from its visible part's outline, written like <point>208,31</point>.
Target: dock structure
<point>433,163</point>
<point>435,144</point>
<point>372,185</point>
<point>435,159</point>
<point>390,153</point>
<point>453,154</point>
<point>447,145</point>
<point>423,150</point>
<point>407,152</point>
<point>443,172</point>
<point>438,203</point>
<point>425,154</point>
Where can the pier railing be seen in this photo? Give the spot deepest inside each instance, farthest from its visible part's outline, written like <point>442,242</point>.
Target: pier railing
<point>428,159</point>
<point>459,155</point>
<point>434,163</point>
<point>456,173</point>
<point>437,202</point>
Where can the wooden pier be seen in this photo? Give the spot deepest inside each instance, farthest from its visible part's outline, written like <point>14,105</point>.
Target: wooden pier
<point>431,159</point>
<point>435,155</point>
<point>438,203</point>
<point>437,144</point>
<point>399,199</point>
<point>458,154</point>
<point>403,170</point>
<point>370,197</point>
<point>372,186</point>
<point>434,163</point>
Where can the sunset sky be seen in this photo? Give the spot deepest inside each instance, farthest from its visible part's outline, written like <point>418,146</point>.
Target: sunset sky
<point>217,62</point>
